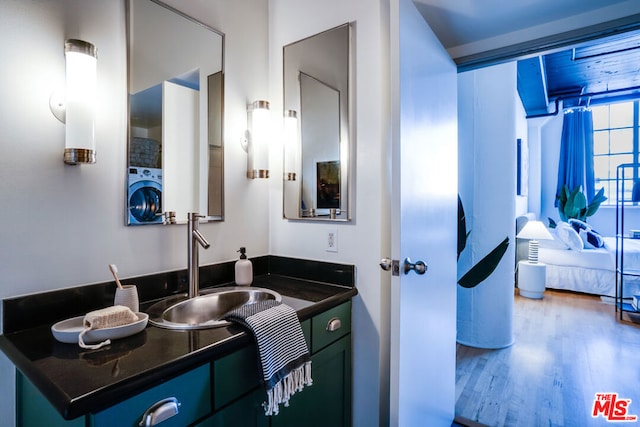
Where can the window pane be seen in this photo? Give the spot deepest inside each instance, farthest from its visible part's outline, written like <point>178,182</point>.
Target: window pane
<point>621,115</point>
<point>628,187</point>
<point>613,144</point>
<point>609,189</point>
<point>601,167</point>
<point>619,159</point>
<point>600,117</point>
<point>622,141</point>
<point>601,142</point>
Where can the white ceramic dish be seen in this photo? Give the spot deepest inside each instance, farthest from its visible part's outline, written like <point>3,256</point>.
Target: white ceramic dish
<point>67,331</point>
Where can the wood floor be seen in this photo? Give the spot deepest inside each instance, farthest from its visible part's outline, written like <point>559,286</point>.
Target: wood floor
<point>567,348</point>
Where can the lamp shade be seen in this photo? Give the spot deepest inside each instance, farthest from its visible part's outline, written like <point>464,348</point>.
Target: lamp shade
<point>535,230</point>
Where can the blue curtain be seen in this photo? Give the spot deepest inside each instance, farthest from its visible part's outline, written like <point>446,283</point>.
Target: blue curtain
<point>576,152</point>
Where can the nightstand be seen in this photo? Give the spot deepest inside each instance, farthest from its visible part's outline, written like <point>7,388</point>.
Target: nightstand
<point>531,279</point>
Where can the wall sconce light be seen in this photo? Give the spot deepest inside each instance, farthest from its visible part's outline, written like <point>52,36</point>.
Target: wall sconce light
<point>290,145</point>
<point>256,141</point>
<point>76,108</point>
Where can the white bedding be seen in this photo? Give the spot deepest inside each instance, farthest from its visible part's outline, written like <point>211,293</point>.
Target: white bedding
<point>591,270</point>
<point>600,258</point>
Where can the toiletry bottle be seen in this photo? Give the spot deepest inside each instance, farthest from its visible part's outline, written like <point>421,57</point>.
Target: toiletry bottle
<point>244,269</point>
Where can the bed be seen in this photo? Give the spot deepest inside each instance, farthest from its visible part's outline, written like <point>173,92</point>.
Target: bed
<point>590,271</point>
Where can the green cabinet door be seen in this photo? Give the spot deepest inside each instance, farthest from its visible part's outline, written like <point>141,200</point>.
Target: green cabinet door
<point>34,410</point>
<point>246,412</point>
<point>328,401</point>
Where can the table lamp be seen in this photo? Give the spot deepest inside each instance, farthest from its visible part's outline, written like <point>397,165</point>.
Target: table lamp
<point>534,231</point>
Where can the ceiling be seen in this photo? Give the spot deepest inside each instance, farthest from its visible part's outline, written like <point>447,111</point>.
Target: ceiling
<point>605,70</point>
<point>466,22</point>
<point>467,27</point>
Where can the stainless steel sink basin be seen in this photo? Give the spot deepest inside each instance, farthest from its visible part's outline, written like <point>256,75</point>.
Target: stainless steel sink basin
<point>205,311</point>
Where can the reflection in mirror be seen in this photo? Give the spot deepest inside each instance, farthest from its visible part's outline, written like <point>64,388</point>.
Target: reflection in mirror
<point>317,152</point>
<point>176,85</point>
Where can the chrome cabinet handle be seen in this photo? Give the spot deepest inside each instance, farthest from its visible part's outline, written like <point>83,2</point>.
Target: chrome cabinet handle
<point>334,324</point>
<point>160,411</point>
<point>419,266</point>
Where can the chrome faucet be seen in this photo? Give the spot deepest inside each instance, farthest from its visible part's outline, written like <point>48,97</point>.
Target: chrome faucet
<point>195,238</point>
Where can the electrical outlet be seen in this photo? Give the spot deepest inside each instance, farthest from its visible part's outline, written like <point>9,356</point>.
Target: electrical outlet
<point>332,240</point>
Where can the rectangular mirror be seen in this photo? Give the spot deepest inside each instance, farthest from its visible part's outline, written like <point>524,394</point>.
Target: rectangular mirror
<point>176,91</point>
<point>318,147</point>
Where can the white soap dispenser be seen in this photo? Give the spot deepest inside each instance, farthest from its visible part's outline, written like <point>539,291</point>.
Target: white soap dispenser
<point>244,269</point>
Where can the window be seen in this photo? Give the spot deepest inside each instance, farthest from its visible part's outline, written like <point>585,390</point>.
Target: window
<point>615,141</point>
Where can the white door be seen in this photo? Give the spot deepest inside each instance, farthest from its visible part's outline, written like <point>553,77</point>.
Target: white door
<point>423,222</point>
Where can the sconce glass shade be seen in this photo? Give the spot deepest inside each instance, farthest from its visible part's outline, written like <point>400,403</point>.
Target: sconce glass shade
<point>290,145</point>
<point>259,140</point>
<point>80,77</point>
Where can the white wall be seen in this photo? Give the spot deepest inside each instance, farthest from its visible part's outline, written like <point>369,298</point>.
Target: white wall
<point>534,197</point>
<point>362,242</point>
<point>63,225</point>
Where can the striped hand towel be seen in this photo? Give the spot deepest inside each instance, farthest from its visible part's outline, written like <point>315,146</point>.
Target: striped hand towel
<point>284,360</point>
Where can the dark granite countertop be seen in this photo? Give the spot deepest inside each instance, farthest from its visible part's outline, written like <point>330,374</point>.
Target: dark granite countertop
<point>78,381</point>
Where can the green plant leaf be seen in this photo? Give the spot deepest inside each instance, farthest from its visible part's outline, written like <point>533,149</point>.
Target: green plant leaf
<point>578,204</point>
<point>552,223</point>
<point>595,203</point>
<point>484,267</point>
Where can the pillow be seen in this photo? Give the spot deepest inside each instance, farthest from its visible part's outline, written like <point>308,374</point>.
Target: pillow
<point>579,225</point>
<point>590,237</point>
<point>569,236</point>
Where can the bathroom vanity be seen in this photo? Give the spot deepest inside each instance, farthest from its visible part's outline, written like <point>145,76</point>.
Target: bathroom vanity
<point>210,376</point>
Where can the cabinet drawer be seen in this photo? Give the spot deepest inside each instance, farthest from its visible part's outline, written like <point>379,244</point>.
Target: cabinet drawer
<point>330,326</point>
<point>192,390</point>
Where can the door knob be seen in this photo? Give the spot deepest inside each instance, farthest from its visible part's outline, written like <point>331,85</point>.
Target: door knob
<point>385,264</point>
<point>419,266</point>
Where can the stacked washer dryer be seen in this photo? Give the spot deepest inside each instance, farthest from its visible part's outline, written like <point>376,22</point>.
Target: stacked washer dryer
<point>145,195</point>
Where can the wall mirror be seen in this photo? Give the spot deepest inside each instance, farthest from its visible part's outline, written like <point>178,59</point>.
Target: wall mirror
<point>175,135</point>
<point>318,147</point>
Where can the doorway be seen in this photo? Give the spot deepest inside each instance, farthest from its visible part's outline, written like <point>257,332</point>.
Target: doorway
<point>528,314</point>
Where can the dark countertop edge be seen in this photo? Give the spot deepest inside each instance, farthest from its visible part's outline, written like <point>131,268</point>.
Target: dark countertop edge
<point>103,398</point>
